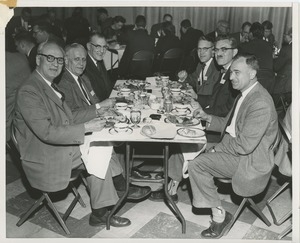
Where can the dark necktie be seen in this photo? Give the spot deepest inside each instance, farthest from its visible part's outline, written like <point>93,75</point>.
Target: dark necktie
<point>202,73</point>
<point>231,115</point>
<point>83,90</point>
<point>54,86</point>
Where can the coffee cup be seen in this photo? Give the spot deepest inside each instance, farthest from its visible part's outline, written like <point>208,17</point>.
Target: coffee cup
<point>181,109</point>
<point>125,91</point>
<point>121,106</point>
<point>175,91</point>
<point>121,127</point>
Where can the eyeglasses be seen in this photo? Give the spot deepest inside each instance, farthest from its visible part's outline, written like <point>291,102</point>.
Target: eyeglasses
<point>223,49</point>
<point>99,46</point>
<point>50,58</point>
<point>204,49</point>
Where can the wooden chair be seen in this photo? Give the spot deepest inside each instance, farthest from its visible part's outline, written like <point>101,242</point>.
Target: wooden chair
<point>141,64</point>
<point>75,174</point>
<point>287,136</point>
<point>248,200</point>
<point>171,62</point>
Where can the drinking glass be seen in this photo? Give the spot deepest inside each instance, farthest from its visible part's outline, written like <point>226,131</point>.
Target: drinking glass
<point>142,85</point>
<point>135,117</point>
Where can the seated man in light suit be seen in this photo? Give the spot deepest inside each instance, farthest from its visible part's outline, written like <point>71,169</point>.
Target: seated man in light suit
<point>79,95</point>
<point>49,135</point>
<point>245,151</point>
<point>206,74</point>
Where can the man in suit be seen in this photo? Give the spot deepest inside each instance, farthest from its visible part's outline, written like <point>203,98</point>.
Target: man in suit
<point>114,32</point>
<point>263,51</point>
<point>268,35</point>
<point>283,67</point>
<point>16,71</point>
<point>206,74</point>
<point>243,35</point>
<point>138,39</point>
<point>244,153</point>
<point>95,69</point>
<point>16,25</point>
<point>25,44</point>
<point>49,134</point>
<point>223,28</point>
<point>156,29</point>
<point>79,95</point>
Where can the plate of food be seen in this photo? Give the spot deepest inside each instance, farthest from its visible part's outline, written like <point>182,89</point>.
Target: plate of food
<point>190,132</point>
<point>182,120</point>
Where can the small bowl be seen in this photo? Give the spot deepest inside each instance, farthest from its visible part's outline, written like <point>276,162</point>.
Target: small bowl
<point>175,91</point>
<point>125,91</point>
<point>181,109</point>
<point>121,106</point>
<point>121,127</point>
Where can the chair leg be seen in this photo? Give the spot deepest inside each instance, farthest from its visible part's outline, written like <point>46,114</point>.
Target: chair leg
<point>31,210</point>
<point>84,182</point>
<point>77,194</point>
<point>257,209</point>
<point>59,218</point>
<point>285,232</point>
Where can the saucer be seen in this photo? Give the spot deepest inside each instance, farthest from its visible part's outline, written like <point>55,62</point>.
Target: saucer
<point>190,132</point>
<point>119,94</point>
<point>186,112</point>
<point>112,131</point>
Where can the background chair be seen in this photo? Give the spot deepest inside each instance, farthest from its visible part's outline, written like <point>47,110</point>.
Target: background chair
<point>141,64</point>
<point>75,174</point>
<point>171,63</point>
<point>248,200</point>
<point>287,136</point>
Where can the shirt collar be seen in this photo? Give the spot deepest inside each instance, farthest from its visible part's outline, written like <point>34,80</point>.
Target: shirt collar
<point>208,62</point>
<point>93,59</point>
<point>73,75</point>
<point>245,92</point>
<point>47,81</point>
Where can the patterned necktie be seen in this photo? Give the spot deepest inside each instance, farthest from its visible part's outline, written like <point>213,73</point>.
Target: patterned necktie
<point>54,86</point>
<point>202,74</point>
<point>83,90</point>
<point>231,115</point>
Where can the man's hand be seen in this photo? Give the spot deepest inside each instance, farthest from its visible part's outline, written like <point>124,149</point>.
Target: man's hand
<point>94,125</point>
<point>192,93</point>
<point>110,102</point>
<point>199,113</point>
<point>182,75</point>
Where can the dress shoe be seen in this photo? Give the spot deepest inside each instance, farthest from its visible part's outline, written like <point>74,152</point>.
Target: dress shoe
<point>115,221</point>
<point>217,230</point>
<point>138,174</point>
<point>136,192</point>
<point>159,196</point>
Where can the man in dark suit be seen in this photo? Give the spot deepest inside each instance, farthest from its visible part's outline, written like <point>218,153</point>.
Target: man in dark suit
<point>16,71</point>
<point>25,44</point>
<point>283,68</point>
<point>138,39</point>
<point>49,134</point>
<point>95,69</point>
<point>16,25</point>
<point>156,29</point>
<point>263,51</point>
<point>207,72</point>
<point>244,152</point>
<point>243,35</point>
<point>223,28</point>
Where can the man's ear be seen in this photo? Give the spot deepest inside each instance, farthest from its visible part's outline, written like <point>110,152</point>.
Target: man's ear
<point>252,74</point>
<point>235,51</point>
<point>38,60</point>
<point>88,46</point>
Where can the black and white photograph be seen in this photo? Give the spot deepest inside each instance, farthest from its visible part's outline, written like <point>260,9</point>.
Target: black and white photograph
<point>156,121</point>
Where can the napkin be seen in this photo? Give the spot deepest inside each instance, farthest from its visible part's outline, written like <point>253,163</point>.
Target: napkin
<point>190,152</point>
<point>96,156</point>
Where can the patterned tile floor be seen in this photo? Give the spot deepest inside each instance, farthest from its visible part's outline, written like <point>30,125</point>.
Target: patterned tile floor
<point>150,220</point>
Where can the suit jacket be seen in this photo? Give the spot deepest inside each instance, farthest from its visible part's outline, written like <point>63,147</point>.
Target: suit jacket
<point>157,27</point>
<point>237,36</point>
<point>212,35</point>
<point>283,68</point>
<point>256,129</point>
<point>32,58</point>
<point>137,40</point>
<point>263,51</point>
<point>75,98</point>
<point>205,91</point>
<point>17,71</point>
<point>99,80</point>
<point>190,40</point>
<point>47,135</point>
<point>223,96</point>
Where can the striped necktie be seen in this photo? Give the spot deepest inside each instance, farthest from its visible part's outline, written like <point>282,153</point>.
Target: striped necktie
<point>83,90</point>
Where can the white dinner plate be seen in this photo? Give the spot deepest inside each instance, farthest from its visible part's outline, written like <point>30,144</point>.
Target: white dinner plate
<point>194,121</point>
<point>112,131</point>
<point>190,132</point>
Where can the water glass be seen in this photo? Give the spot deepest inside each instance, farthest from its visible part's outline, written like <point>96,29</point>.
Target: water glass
<point>135,117</point>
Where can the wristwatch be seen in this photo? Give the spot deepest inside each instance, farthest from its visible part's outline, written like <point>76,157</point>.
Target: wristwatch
<point>98,106</point>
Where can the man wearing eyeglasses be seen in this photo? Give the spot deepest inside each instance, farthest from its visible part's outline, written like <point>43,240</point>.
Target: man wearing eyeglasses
<point>206,74</point>
<point>49,134</point>
<point>95,69</point>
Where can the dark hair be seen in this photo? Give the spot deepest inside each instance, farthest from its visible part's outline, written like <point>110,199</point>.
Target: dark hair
<point>251,60</point>
<point>118,19</point>
<point>257,30</point>
<point>168,15</point>
<point>206,38</point>
<point>186,23</point>
<point>24,36</point>
<point>140,21</point>
<point>267,25</point>
<point>102,10</point>
<point>167,27</point>
<point>246,24</point>
<point>43,25</point>
<point>95,33</point>
<point>26,10</point>
<point>232,40</point>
